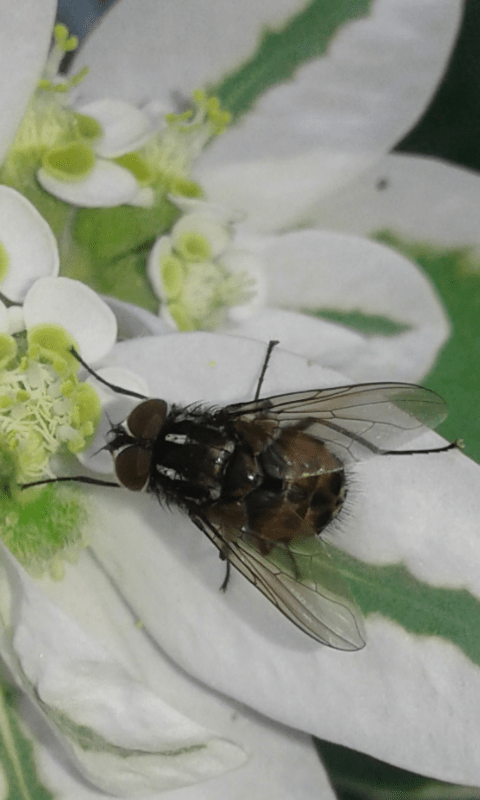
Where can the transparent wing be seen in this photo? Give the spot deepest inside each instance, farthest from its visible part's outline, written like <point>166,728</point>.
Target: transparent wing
<point>354,422</point>
<point>300,580</point>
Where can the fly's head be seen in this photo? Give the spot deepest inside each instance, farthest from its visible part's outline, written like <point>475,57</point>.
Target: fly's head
<point>131,443</point>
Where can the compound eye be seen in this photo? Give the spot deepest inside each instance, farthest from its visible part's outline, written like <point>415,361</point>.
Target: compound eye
<point>132,465</point>
<point>146,420</point>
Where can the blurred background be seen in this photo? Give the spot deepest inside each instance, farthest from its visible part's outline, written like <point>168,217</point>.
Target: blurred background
<point>449,129</point>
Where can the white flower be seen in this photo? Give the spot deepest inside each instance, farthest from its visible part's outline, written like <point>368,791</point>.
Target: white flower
<point>271,166</point>
<point>202,274</point>
<point>168,574</point>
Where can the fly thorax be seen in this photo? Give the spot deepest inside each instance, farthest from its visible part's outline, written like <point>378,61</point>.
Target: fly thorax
<point>191,457</point>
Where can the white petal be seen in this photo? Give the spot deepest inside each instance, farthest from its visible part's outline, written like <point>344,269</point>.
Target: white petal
<point>118,376</point>
<point>246,262</point>
<point>372,85</point>
<point>77,308</point>
<point>14,319</point>
<point>285,766</point>
<point>311,270</point>
<point>215,231</point>
<point>116,50</point>
<point>134,321</point>
<point>122,735</point>
<point>281,763</point>
<point>333,346</point>
<point>190,205</point>
<point>358,100</point>
<point>26,32</point>
<point>144,197</point>
<point>107,185</point>
<point>394,55</point>
<point>409,700</point>
<point>29,242</point>
<point>161,249</point>
<point>273,194</point>
<point>125,127</point>
<point>424,199</point>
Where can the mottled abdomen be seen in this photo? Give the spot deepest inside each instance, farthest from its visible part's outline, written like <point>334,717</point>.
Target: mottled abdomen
<point>290,489</point>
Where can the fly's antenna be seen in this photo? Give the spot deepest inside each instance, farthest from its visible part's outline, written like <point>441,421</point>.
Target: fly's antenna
<point>113,386</point>
<point>272,343</point>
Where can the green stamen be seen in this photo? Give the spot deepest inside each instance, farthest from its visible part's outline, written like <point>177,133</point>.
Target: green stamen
<point>173,151</point>
<point>199,295</point>
<point>43,413</point>
<point>71,163</point>
<point>88,128</point>
<point>42,527</point>
<point>193,246</point>
<point>43,407</point>
<point>64,43</point>
<point>138,166</point>
<point>4,261</point>
<point>52,344</point>
<point>8,349</point>
<point>63,39</point>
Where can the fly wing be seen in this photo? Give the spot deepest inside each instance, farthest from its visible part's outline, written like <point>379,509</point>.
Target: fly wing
<point>299,579</point>
<point>355,422</point>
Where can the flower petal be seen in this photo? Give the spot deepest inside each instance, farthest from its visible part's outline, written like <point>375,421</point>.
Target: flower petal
<point>424,199</point>
<point>133,321</point>
<point>125,127</point>
<point>26,32</point>
<point>284,765</point>
<point>281,763</point>
<point>76,307</point>
<point>333,346</point>
<point>406,698</point>
<point>304,136</point>
<point>313,271</point>
<point>29,244</point>
<point>122,736</point>
<point>108,184</point>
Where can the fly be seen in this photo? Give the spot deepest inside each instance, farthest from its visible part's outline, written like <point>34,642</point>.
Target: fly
<point>263,479</point>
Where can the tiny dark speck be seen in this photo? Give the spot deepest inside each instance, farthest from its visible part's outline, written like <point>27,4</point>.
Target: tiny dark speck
<point>382,184</point>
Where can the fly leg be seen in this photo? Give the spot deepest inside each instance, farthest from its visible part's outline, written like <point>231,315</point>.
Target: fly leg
<point>270,347</point>
<point>226,579</point>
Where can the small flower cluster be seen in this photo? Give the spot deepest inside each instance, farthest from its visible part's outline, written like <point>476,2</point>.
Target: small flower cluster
<point>200,271</point>
<point>109,157</point>
<point>43,405</point>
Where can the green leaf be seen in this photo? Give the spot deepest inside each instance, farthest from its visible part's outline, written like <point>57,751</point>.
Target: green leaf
<point>19,777</point>
<point>304,36</point>
<point>356,776</point>
<point>367,324</point>
<point>456,375</point>
<point>393,592</point>
<point>109,249</point>
<point>110,233</point>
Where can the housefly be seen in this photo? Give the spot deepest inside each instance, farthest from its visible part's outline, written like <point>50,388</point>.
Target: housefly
<point>263,479</point>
